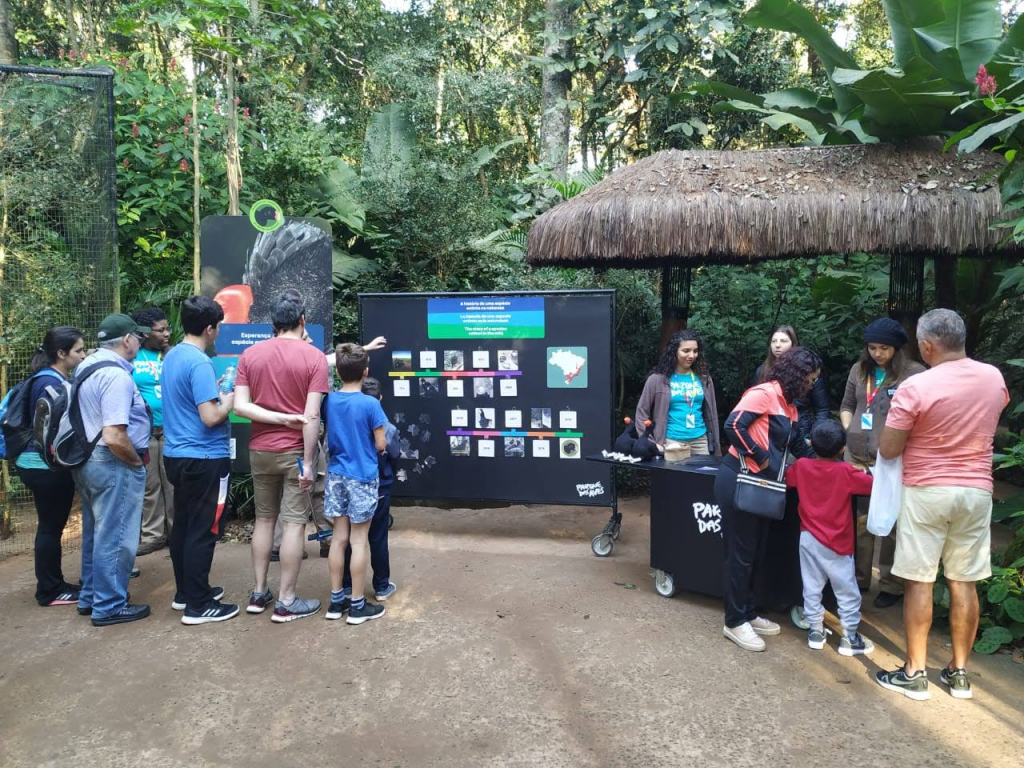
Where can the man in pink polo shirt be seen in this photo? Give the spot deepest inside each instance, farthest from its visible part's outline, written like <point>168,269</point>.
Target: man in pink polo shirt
<point>942,422</point>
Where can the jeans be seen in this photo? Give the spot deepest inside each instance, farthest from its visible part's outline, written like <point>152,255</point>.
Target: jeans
<point>746,540</point>
<point>200,491</point>
<point>380,558</point>
<point>53,493</point>
<point>111,493</point>
<point>819,565</point>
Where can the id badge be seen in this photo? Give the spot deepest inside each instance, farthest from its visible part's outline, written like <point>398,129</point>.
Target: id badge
<point>691,421</point>
<point>865,421</point>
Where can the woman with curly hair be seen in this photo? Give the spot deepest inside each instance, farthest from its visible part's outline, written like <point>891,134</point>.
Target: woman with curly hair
<point>760,430</point>
<point>679,398</point>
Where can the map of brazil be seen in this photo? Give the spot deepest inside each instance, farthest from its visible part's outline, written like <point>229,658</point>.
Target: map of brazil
<point>567,367</point>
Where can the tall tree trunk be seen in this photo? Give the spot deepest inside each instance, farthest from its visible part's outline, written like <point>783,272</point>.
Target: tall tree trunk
<point>8,42</point>
<point>232,159</point>
<point>196,177</point>
<point>450,15</point>
<point>72,28</point>
<point>554,104</point>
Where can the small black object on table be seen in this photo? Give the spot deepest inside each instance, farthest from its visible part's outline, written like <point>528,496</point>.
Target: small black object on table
<point>687,539</point>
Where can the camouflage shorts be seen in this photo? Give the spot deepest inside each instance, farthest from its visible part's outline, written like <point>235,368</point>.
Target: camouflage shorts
<point>346,497</point>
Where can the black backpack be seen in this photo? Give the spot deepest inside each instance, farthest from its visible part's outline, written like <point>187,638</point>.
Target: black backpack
<point>16,421</point>
<point>59,431</point>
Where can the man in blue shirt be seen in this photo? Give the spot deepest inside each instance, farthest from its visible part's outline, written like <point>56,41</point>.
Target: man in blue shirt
<point>197,451</point>
<point>111,483</point>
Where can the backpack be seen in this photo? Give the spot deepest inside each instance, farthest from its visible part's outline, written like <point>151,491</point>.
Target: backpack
<point>59,430</point>
<point>16,412</point>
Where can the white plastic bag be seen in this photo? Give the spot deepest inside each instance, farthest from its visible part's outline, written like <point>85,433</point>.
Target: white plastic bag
<point>886,495</point>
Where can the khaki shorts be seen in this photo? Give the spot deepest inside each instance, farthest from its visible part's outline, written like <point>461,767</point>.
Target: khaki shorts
<point>275,486</point>
<point>681,450</point>
<point>950,523</point>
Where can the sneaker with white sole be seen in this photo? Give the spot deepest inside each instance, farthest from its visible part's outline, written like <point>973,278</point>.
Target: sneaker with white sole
<point>258,601</point>
<point>368,612</point>
<point>337,610</point>
<point>745,637</point>
<point>855,645</point>
<point>912,686</point>
<point>211,612</point>
<point>179,604</point>
<point>816,638</point>
<point>762,626</point>
<point>297,609</point>
<point>385,593</point>
<point>958,682</point>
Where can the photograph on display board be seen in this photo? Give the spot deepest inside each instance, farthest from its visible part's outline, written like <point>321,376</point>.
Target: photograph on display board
<point>567,367</point>
<point>459,445</point>
<point>540,418</point>
<point>515,446</point>
<point>508,360</point>
<point>430,387</point>
<point>485,418</point>
<point>401,361</point>
<point>454,360</point>
<point>569,448</point>
<point>483,387</point>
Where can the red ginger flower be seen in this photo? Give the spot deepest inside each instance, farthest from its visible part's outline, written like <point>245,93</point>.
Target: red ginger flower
<point>184,165</point>
<point>986,82</point>
<point>135,130</point>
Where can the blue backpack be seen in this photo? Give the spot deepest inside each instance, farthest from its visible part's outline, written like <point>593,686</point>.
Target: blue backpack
<point>17,415</point>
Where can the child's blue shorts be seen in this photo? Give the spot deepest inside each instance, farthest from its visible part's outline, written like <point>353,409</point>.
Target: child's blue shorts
<point>346,497</point>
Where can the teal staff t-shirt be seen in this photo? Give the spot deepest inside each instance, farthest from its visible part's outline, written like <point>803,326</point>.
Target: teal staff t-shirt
<point>685,408</point>
<point>147,369</point>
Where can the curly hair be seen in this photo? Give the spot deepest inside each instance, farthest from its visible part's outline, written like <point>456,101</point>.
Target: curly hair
<point>769,360</point>
<point>791,371</point>
<point>148,315</point>
<point>667,363</point>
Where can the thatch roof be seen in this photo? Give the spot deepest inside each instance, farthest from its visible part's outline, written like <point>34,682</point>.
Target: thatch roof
<point>713,207</point>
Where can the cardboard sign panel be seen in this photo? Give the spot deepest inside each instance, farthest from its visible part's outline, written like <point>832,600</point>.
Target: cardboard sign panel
<point>243,269</point>
<point>497,396</point>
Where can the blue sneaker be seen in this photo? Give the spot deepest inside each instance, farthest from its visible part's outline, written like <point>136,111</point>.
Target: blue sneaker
<point>385,593</point>
<point>816,637</point>
<point>855,645</point>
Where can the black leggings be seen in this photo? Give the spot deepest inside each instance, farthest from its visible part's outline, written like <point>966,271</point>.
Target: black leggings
<point>746,539</point>
<point>53,493</point>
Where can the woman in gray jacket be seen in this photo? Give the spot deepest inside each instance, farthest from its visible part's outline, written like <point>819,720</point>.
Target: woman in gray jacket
<point>679,398</point>
<point>873,380</point>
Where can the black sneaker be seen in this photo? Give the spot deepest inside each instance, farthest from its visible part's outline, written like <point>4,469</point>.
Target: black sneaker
<point>912,686</point>
<point>337,610</point>
<point>214,611</point>
<point>87,611</point>
<point>275,555</point>
<point>178,604</point>
<point>67,597</point>
<point>958,682</point>
<point>126,614</point>
<point>136,572</point>
<point>885,600</point>
<point>368,612</point>
<point>258,601</point>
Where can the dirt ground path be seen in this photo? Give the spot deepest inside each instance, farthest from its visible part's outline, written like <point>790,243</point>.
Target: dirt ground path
<point>507,644</point>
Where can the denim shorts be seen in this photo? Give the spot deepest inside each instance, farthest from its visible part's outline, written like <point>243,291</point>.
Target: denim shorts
<point>346,497</point>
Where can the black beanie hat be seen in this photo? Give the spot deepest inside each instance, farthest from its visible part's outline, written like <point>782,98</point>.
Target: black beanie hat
<point>887,331</point>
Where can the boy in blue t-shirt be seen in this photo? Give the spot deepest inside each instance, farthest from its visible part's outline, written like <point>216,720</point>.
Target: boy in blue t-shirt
<point>355,436</point>
<point>197,450</point>
<point>380,559</point>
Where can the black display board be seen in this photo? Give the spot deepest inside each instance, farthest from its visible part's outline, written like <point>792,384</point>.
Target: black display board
<point>497,396</point>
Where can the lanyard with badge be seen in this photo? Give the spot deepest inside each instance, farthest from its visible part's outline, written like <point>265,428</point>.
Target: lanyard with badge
<point>867,418</point>
<point>690,395</point>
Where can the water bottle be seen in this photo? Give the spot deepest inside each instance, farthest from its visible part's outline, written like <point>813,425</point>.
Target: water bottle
<point>227,382</point>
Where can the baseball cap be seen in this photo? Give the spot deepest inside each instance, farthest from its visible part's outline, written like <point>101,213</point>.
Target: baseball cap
<point>115,326</point>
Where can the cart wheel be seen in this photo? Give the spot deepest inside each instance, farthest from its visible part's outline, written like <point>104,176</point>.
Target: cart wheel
<point>664,583</point>
<point>602,544</point>
<point>796,615</point>
<point>391,520</point>
<point>616,530</point>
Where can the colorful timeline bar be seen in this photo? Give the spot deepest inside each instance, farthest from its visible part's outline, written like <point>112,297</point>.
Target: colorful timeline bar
<point>452,374</point>
<point>508,433</point>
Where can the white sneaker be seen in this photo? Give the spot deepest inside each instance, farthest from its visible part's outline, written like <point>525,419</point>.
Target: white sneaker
<point>745,637</point>
<point>762,626</point>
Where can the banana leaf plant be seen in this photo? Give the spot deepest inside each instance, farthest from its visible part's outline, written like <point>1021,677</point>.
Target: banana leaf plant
<point>938,48</point>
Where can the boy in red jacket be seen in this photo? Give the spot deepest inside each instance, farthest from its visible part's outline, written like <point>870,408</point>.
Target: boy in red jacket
<point>826,486</point>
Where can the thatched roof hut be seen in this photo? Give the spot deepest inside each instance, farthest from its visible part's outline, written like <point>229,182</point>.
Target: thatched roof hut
<point>688,208</point>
